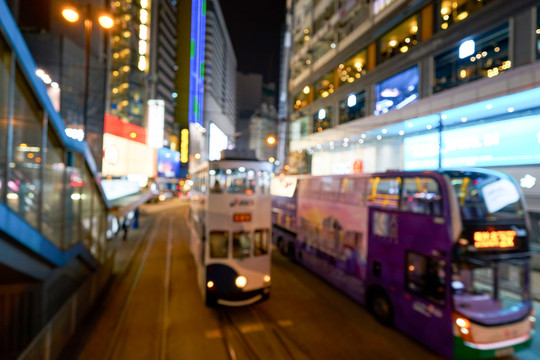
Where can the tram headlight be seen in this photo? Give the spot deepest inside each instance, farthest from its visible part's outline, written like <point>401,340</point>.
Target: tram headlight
<point>210,284</point>
<point>266,279</point>
<point>241,281</point>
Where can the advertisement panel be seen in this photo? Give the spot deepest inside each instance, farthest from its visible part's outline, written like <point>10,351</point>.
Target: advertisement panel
<point>397,92</point>
<point>156,123</point>
<point>168,163</point>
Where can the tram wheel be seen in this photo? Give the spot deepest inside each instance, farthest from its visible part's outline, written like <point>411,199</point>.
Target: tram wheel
<point>381,307</point>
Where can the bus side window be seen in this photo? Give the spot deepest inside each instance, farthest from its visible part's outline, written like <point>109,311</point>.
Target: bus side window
<point>352,191</point>
<point>425,276</point>
<point>219,244</point>
<point>384,192</point>
<point>260,242</point>
<point>421,196</point>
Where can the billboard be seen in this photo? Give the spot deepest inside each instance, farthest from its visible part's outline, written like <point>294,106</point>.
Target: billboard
<point>156,123</point>
<point>397,92</point>
<point>168,163</point>
<point>509,142</point>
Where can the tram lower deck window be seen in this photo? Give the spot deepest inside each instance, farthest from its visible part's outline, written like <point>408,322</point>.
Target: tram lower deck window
<point>219,244</point>
<point>241,244</point>
<point>260,242</point>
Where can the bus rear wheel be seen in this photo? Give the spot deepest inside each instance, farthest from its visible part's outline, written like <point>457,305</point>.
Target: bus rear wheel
<point>381,307</point>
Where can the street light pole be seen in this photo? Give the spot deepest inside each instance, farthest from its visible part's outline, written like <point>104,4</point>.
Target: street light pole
<point>87,38</point>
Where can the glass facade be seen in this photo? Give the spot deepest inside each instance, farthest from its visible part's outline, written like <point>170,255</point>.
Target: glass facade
<point>400,39</point>
<point>40,181</point>
<point>353,107</point>
<point>353,69</point>
<point>487,56</point>
<point>322,119</point>
<point>453,11</point>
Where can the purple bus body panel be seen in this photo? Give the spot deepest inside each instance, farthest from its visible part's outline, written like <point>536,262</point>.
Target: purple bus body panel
<point>420,318</point>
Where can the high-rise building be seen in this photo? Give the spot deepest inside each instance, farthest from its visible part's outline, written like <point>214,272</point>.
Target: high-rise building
<point>58,48</point>
<point>163,65</point>
<point>215,131</point>
<point>408,84</point>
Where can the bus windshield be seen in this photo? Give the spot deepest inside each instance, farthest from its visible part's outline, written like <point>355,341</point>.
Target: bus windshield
<point>490,292</point>
<point>486,197</point>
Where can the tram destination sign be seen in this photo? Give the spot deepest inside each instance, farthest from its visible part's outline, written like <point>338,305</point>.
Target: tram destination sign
<point>242,217</point>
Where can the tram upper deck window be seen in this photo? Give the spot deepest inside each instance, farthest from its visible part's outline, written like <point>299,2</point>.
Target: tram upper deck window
<point>218,179</point>
<point>241,181</point>
<point>263,182</point>
<point>219,244</point>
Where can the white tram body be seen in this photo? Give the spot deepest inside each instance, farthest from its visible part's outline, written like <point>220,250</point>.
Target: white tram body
<point>231,229</point>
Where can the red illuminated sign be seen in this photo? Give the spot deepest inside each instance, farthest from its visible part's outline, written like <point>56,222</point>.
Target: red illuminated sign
<point>494,239</point>
<point>242,217</point>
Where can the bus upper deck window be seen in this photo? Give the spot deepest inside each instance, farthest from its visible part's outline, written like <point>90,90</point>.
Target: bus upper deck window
<point>421,196</point>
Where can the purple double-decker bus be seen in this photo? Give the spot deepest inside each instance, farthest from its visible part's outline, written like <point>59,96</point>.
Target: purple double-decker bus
<point>441,255</point>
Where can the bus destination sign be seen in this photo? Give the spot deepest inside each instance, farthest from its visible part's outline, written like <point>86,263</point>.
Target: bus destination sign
<point>503,239</point>
<point>242,217</point>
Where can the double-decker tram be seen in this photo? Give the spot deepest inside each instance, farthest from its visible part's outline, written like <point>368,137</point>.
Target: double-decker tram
<point>441,255</point>
<point>231,228</point>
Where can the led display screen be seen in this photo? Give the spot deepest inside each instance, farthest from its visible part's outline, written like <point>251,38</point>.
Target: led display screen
<point>168,163</point>
<point>397,91</point>
<point>509,142</point>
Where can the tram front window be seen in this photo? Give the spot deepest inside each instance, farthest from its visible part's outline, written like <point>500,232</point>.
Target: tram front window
<point>219,244</point>
<point>241,244</point>
<point>241,181</point>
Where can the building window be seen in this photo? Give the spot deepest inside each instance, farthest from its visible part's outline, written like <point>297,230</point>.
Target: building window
<point>5,59</point>
<point>354,68</point>
<point>299,128</point>
<point>400,39</point>
<point>482,56</point>
<point>322,119</point>
<point>302,98</point>
<point>353,107</point>
<point>324,86</point>
<point>453,11</point>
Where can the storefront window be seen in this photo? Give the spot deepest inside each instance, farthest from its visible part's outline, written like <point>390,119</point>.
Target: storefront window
<point>485,56</point>
<point>353,69</point>
<point>322,119</point>
<point>5,56</point>
<point>24,184</point>
<point>453,11</point>
<point>400,39</point>
<point>352,107</point>
<point>86,208</point>
<point>53,186</point>
<point>324,86</point>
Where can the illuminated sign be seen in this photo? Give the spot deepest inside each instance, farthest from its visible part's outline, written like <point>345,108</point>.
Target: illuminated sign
<point>244,217</point>
<point>184,146</point>
<point>494,239</point>
<point>156,123</point>
<point>509,142</point>
<point>396,92</point>
<point>218,141</point>
<point>196,61</point>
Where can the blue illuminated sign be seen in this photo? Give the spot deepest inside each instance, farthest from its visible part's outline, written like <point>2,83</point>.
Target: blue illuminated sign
<point>168,163</point>
<point>196,62</point>
<point>510,142</point>
<point>396,92</point>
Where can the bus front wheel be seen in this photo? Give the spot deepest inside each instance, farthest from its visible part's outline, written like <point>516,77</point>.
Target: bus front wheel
<point>381,307</point>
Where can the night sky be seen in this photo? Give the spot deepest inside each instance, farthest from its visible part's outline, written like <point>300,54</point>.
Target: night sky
<point>255,30</point>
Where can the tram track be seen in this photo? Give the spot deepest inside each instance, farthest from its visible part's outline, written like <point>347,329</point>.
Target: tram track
<point>152,237</point>
<point>260,338</point>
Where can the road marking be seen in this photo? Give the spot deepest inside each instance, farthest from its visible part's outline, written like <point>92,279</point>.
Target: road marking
<point>285,323</point>
<point>166,290</point>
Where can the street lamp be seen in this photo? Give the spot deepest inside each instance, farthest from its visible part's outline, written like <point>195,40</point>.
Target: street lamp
<point>72,14</point>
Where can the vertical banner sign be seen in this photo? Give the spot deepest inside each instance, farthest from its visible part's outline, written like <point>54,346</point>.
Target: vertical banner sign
<point>196,62</point>
<point>156,123</point>
<point>184,146</point>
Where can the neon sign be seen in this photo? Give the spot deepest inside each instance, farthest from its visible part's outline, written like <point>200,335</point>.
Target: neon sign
<point>494,239</point>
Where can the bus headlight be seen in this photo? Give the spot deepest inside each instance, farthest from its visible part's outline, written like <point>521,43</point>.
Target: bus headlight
<point>241,281</point>
<point>266,279</point>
